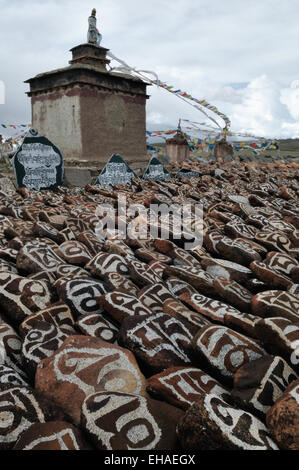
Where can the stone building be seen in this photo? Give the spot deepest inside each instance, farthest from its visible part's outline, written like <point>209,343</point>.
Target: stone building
<point>177,148</point>
<point>89,112</point>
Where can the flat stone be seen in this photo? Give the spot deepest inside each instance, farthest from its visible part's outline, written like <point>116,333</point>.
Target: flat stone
<point>198,278</point>
<point>20,407</point>
<point>270,277</point>
<point>95,325</point>
<point>122,421</point>
<point>9,377</point>
<point>37,256</point>
<point>81,295</point>
<point>104,263</point>
<point>182,386</point>
<point>56,435</point>
<point>74,252</point>
<point>75,176</point>
<point>213,309</point>
<point>283,418</point>
<point>276,303</point>
<point>280,336</point>
<point>259,384</point>
<point>84,365</point>
<point>116,281</point>
<point>120,305</point>
<point>159,340</point>
<point>213,424</point>
<point>39,343</point>
<point>222,351</point>
<point>176,309</point>
<point>19,297</point>
<point>154,296</point>
<point>58,315</point>
<point>233,293</point>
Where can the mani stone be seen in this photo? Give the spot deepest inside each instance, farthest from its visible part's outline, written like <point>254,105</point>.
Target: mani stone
<point>116,281</point>
<point>38,256</point>
<point>84,365</point>
<point>233,293</point>
<point>154,296</point>
<point>213,309</point>
<point>177,309</point>
<point>57,314</point>
<point>155,171</point>
<point>95,325</point>
<point>195,276</point>
<point>10,377</point>
<point>19,297</point>
<point>159,341</point>
<point>276,303</point>
<point>259,384</point>
<point>123,421</point>
<point>39,343</point>
<point>182,386</point>
<point>81,295</point>
<point>10,349</point>
<point>55,435</point>
<point>116,171</point>
<point>269,276</point>
<point>105,263</point>
<point>213,424</point>
<point>279,336</point>
<point>38,164</point>
<point>223,351</point>
<point>120,305</point>
<point>20,407</point>
<point>283,418</point>
<point>74,252</point>
<point>186,173</point>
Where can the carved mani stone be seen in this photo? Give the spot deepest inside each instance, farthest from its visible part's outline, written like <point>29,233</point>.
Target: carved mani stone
<point>176,309</point>
<point>259,384</point>
<point>20,297</point>
<point>95,325</point>
<point>182,386</point>
<point>81,295</point>
<point>74,252</point>
<point>120,305</point>
<point>276,303</point>
<point>223,351</point>
<point>158,340</point>
<point>280,336</point>
<point>10,377</point>
<point>104,263</point>
<point>84,365</point>
<point>122,421</point>
<point>39,343</point>
<point>213,309</point>
<point>235,294</point>
<point>212,424</point>
<point>57,314</point>
<point>56,435</point>
<point>20,407</point>
<point>283,418</point>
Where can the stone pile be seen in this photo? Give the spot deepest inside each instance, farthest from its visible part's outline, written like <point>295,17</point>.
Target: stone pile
<point>114,343</point>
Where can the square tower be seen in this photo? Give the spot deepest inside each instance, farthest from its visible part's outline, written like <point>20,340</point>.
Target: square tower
<point>89,112</point>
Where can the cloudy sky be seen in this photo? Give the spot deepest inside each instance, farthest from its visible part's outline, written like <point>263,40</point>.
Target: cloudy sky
<point>241,56</point>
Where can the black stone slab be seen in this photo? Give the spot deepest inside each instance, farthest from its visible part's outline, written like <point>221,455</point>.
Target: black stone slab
<point>38,164</point>
<point>116,171</point>
<point>156,171</point>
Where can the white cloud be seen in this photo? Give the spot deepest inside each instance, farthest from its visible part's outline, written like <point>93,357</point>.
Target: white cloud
<point>238,55</point>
